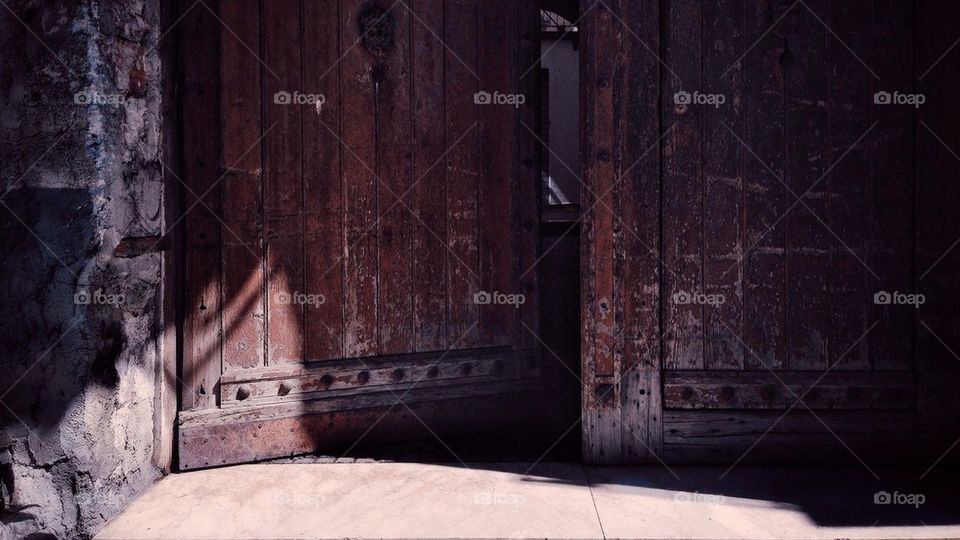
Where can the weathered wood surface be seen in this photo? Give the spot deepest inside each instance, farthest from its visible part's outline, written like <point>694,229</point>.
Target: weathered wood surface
<point>800,437</point>
<point>601,392</point>
<point>356,376</point>
<point>283,178</point>
<point>253,434</point>
<point>202,325</point>
<point>244,326</point>
<point>366,196</point>
<point>323,187</point>
<point>781,390</point>
<point>792,197</point>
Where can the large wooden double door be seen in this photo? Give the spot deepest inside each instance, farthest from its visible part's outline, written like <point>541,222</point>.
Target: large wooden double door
<point>359,222</point>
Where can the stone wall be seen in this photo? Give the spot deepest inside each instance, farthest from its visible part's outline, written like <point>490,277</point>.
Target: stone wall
<point>80,326</point>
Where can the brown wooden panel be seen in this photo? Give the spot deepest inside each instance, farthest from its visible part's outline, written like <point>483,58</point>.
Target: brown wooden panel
<point>764,270</point>
<point>725,437</point>
<point>723,163</point>
<point>358,118</point>
<point>638,289</point>
<point>768,390</point>
<point>598,196</point>
<point>600,396</point>
<point>809,245</point>
<point>283,193</point>
<point>460,35</point>
<point>258,433</point>
<point>202,328</point>
<point>356,377</point>
<point>394,168</point>
<point>497,185</point>
<point>323,183</point>
<point>243,276</point>
<point>683,188</point>
<point>429,189</point>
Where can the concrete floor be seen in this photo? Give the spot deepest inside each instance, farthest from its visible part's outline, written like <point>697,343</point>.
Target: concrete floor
<point>404,500</point>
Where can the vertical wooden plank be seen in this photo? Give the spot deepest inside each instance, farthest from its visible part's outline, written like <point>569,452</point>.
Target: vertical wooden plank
<point>358,121</point>
<point>601,418</point>
<point>429,173</point>
<point>809,244</point>
<point>283,198</point>
<point>723,158</point>
<point>394,153</point>
<point>496,131</point>
<point>764,197</point>
<point>639,291</point>
<point>851,107</point>
<point>200,49</point>
<point>460,35</point>
<point>243,284</point>
<point>527,180</point>
<point>891,189</point>
<point>322,181</point>
<point>683,188</point>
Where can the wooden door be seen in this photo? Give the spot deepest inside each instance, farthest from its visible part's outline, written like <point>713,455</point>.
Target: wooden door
<point>751,238</point>
<point>360,223</point>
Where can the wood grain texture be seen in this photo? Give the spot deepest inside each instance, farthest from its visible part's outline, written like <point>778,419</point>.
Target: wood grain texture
<point>463,171</point>
<point>202,326</point>
<point>429,190</point>
<point>358,121</point>
<point>781,390</point>
<point>601,441</point>
<point>808,242</point>
<point>850,115</point>
<point>394,169</point>
<point>638,289</point>
<point>323,327</point>
<point>683,188</point>
<point>724,437</point>
<point>496,187</point>
<point>244,338</point>
<point>723,175</point>
<point>765,200</point>
<point>283,193</point>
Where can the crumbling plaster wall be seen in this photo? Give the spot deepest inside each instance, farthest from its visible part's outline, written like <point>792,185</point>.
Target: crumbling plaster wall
<point>80,327</point>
